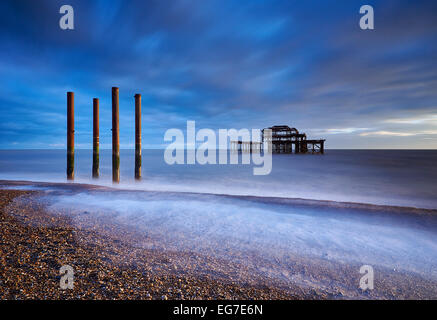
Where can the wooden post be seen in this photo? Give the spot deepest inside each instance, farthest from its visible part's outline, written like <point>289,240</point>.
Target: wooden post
<point>115,137</point>
<point>138,136</point>
<point>70,135</point>
<point>95,138</point>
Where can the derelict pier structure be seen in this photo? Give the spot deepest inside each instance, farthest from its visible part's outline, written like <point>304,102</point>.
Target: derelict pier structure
<point>283,139</point>
<point>286,140</point>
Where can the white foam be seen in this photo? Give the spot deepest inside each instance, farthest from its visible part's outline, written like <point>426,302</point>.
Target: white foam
<point>213,224</point>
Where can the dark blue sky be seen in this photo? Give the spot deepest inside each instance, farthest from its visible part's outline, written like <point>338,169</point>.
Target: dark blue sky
<point>224,64</point>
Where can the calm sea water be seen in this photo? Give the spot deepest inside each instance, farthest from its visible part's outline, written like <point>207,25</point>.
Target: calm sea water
<point>390,177</point>
<point>241,228</point>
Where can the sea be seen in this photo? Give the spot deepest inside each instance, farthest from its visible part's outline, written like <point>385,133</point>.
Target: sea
<point>384,177</point>
<point>360,207</point>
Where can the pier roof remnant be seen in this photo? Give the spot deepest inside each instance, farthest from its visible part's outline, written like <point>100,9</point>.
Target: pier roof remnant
<point>284,139</point>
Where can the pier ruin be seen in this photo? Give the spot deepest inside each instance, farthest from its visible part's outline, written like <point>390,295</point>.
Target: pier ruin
<point>286,140</point>
<point>283,139</point>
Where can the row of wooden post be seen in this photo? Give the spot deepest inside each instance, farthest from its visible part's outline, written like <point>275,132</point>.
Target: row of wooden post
<point>115,137</point>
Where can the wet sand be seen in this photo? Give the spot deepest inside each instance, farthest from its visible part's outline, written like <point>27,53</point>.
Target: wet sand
<point>35,243</point>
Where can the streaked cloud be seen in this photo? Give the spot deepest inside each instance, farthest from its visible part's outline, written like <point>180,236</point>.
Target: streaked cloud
<point>339,130</point>
<point>419,119</point>
<point>398,133</point>
<point>224,64</point>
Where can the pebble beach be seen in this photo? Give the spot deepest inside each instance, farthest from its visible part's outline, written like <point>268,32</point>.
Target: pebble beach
<point>108,263</point>
<point>30,259</point>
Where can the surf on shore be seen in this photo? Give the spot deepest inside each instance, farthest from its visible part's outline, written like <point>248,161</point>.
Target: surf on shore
<point>297,248</point>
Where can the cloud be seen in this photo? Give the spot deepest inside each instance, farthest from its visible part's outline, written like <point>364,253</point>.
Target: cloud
<point>339,130</point>
<point>419,119</point>
<point>224,64</point>
<point>398,134</point>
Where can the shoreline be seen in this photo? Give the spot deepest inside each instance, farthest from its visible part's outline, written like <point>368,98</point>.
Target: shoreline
<point>110,263</point>
<point>31,257</point>
<point>266,199</point>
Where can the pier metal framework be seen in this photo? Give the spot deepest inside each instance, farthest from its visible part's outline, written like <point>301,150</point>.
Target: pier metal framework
<point>286,140</point>
<point>283,139</point>
<point>246,146</point>
<point>279,139</point>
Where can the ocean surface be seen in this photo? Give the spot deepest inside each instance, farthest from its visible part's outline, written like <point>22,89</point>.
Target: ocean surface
<point>385,177</point>
<point>227,212</point>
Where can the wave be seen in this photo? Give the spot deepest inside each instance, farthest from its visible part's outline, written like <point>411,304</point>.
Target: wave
<point>236,227</point>
<point>78,187</point>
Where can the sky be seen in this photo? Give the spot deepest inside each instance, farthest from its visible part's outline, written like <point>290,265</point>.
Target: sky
<point>224,64</point>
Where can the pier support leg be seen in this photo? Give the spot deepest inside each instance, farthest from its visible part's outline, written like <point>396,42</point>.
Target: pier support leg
<point>115,137</point>
<point>137,136</point>
<point>70,135</point>
<point>95,138</point>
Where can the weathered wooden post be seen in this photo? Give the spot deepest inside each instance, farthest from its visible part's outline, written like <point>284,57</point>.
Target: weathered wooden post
<point>138,136</point>
<point>70,135</point>
<point>115,137</point>
<point>95,138</point>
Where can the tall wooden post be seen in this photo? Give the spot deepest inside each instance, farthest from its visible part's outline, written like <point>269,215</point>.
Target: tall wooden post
<point>95,138</point>
<point>115,137</point>
<point>138,136</point>
<point>70,135</point>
